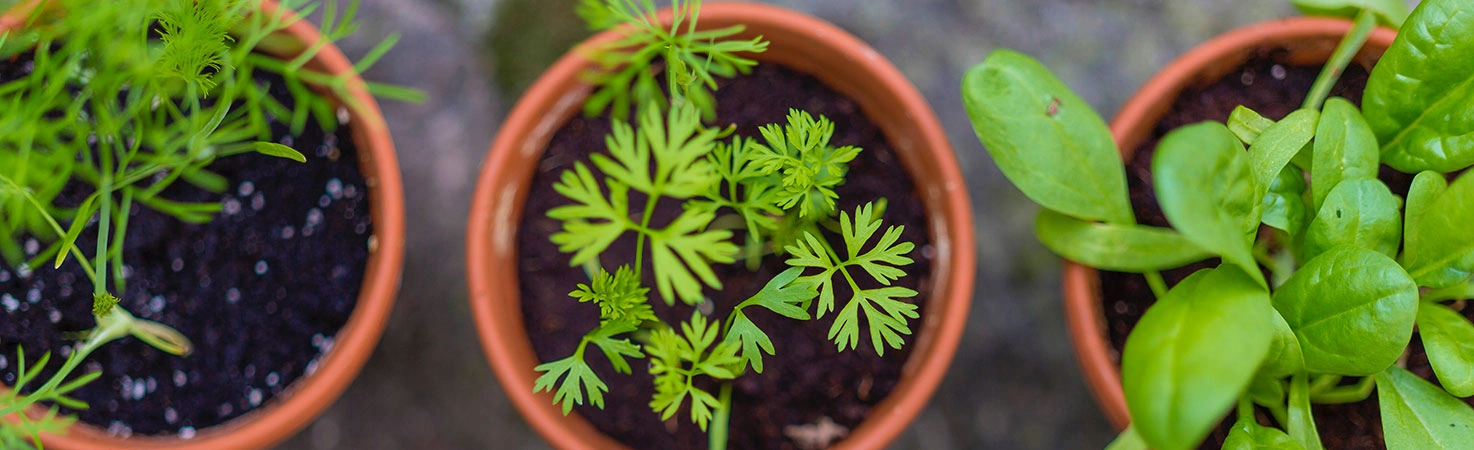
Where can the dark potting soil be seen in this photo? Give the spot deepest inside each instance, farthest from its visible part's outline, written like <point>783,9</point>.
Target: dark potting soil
<point>808,380</point>
<point>1273,90</point>
<point>261,291</point>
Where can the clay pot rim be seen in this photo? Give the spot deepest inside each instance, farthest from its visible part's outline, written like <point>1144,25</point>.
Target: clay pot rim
<point>1131,125</point>
<point>309,396</point>
<point>558,92</point>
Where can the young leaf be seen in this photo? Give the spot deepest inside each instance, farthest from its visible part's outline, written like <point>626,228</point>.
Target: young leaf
<point>1250,435</point>
<point>1345,149</point>
<point>1284,204</point>
<point>1352,310</point>
<point>593,222</point>
<point>809,166</point>
<point>1247,124</point>
<point>1389,12</point>
<point>1119,247</point>
<point>1448,338</point>
<point>1440,250</point>
<point>1360,213</point>
<point>683,252</point>
<point>620,297</point>
<point>579,378</point>
<point>1285,357</point>
<point>1272,150</point>
<point>677,143</point>
<point>675,359</point>
<point>279,151</point>
<point>1192,355</point>
<point>1426,188</point>
<point>616,349</point>
<point>1416,415</point>
<point>1417,96</point>
<point>781,295</point>
<point>885,312</point>
<point>1208,191</point>
<point>1045,139</point>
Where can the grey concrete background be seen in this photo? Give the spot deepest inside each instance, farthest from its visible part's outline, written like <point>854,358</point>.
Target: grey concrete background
<point>1014,383</point>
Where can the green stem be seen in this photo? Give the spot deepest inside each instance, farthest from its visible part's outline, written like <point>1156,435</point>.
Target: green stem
<point>1346,394</point>
<point>105,195</point>
<point>1365,21</point>
<point>640,236</point>
<point>1323,383</point>
<point>1246,408</point>
<point>717,437</point>
<point>1301,425</point>
<point>1159,286</point>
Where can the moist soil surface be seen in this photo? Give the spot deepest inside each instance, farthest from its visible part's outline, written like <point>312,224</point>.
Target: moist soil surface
<point>1274,90</point>
<point>261,290</point>
<point>808,381</point>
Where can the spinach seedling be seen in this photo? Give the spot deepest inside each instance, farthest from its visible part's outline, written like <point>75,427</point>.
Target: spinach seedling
<point>1352,266</point>
<point>122,100</point>
<point>781,189</point>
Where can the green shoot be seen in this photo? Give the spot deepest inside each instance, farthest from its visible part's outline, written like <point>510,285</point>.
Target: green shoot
<point>677,359</point>
<point>627,75</point>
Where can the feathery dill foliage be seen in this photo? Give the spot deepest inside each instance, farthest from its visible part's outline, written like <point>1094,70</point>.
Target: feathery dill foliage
<point>692,58</point>
<point>125,98</point>
<point>777,193</point>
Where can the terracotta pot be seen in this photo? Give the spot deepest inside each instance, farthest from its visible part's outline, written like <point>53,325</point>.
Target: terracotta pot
<point>1307,40</point>
<point>305,399</point>
<point>799,42</point>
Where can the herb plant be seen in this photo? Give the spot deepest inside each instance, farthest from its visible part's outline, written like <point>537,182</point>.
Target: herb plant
<point>778,194</point>
<point>1352,268</point>
<point>122,100</point>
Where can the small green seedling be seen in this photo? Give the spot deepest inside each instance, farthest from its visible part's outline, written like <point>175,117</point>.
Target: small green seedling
<point>780,190</point>
<point>1352,267</point>
<point>125,98</point>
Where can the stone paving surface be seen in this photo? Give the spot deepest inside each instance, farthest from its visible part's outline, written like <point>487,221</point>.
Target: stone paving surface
<point>1014,382</point>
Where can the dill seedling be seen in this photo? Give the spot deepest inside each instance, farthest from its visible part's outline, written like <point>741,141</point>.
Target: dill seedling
<point>125,98</point>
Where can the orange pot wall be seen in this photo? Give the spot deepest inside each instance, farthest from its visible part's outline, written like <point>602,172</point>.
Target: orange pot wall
<point>1308,41</point>
<point>800,42</point>
<point>301,403</point>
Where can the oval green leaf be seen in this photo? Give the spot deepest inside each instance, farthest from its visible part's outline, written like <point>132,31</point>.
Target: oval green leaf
<point>1345,149</point>
<point>1285,357</point>
<point>278,150</point>
<point>1284,205</point>
<point>1448,337</point>
<point>1274,148</point>
<point>1416,415</point>
<point>1351,309</point>
<point>1193,353</point>
<point>1208,191</point>
<point>1419,95</point>
<point>1361,213</point>
<point>1045,139</point>
<point>1247,124</point>
<point>1118,247</point>
<point>1440,250</point>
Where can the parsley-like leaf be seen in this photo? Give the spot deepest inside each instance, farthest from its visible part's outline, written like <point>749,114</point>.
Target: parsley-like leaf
<point>580,378</point>
<point>781,295</point>
<point>676,359</point>
<point>684,251</point>
<point>677,143</point>
<point>884,311</point>
<point>620,297</point>
<point>594,222</point>
<point>811,168</point>
<point>616,349</point>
